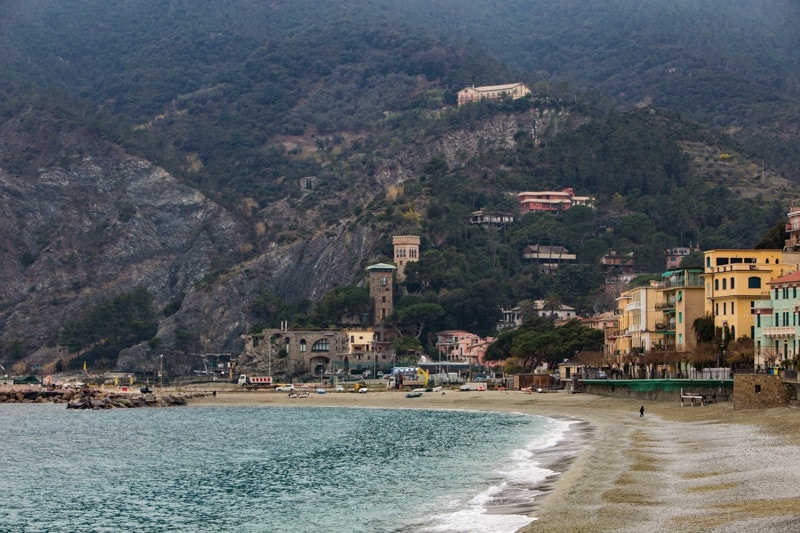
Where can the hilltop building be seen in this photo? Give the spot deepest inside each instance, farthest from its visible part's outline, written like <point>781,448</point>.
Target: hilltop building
<point>618,266</point>
<point>793,230</point>
<point>675,255</point>
<point>548,257</point>
<point>492,92</point>
<point>550,201</point>
<point>497,220</point>
<point>512,318</point>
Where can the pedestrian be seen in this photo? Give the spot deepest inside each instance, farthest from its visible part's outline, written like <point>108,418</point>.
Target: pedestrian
<point>641,412</point>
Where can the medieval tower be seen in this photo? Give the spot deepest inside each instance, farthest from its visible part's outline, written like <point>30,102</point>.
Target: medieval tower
<point>381,277</point>
<point>406,250</point>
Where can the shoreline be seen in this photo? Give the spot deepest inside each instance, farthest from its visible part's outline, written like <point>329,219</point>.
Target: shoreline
<point>677,468</point>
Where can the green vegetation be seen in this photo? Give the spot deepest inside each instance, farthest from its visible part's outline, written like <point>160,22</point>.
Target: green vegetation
<point>107,328</point>
<point>246,102</point>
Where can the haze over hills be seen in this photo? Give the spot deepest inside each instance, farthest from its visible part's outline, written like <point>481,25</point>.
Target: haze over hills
<point>294,146</point>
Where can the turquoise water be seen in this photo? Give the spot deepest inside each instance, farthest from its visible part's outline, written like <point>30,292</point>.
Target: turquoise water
<point>271,469</point>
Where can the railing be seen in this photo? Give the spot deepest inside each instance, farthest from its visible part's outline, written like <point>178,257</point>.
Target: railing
<point>780,331</point>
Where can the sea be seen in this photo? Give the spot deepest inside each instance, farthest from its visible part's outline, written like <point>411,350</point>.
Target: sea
<point>275,469</point>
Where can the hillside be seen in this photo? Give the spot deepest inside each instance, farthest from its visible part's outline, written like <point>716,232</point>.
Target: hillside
<point>240,163</point>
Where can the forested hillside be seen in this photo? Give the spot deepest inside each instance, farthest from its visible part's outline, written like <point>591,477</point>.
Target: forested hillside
<point>323,128</point>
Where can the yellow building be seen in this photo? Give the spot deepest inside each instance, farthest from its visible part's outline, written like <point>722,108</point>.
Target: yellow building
<point>734,281</point>
<point>639,320</point>
<point>682,301</point>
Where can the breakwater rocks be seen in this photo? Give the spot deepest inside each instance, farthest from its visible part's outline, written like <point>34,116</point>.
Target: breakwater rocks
<point>97,399</point>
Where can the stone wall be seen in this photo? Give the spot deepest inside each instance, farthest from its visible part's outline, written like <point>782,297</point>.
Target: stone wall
<point>759,391</point>
<point>657,390</point>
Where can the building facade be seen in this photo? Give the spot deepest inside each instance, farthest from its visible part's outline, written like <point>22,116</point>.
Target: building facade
<point>550,201</point>
<point>734,281</point>
<point>675,255</point>
<point>776,337</point>
<point>458,345</point>
<point>492,92</point>
<point>638,320</point>
<point>381,277</point>
<point>682,301</point>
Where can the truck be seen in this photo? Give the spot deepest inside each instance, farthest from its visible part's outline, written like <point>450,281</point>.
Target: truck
<point>408,377</point>
<point>255,382</point>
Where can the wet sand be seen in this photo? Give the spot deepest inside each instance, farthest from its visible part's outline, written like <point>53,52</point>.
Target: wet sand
<point>675,469</point>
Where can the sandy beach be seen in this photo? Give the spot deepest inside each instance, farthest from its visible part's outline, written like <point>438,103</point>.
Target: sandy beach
<point>675,469</point>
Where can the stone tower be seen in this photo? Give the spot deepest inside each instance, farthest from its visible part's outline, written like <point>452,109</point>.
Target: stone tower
<point>380,290</point>
<point>406,250</point>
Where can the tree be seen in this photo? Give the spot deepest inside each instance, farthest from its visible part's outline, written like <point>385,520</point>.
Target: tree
<point>703,328</point>
<point>339,302</point>
<point>531,347</point>
<point>404,345</point>
<point>705,354</point>
<point>418,315</point>
<point>552,303</point>
<point>775,238</point>
<point>740,351</point>
<point>692,260</point>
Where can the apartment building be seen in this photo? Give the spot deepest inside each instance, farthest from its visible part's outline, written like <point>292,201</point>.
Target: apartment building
<point>682,301</point>
<point>734,281</point>
<point>777,322</point>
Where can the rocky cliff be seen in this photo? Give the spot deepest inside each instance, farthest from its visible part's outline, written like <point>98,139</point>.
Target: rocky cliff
<point>83,220</point>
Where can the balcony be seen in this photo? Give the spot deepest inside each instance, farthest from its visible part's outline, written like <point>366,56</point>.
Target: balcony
<point>780,331</point>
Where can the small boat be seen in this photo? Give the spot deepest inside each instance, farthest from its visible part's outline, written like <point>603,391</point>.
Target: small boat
<point>413,394</point>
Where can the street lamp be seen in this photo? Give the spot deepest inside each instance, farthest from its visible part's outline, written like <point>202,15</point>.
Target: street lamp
<point>161,370</point>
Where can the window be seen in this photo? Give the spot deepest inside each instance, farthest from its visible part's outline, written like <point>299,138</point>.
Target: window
<point>732,311</point>
<point>384,281</point>
<point>753,282</point>
<point>303,345</point>
<point>716,284</point>
<point>724,284</point>
<point>732,283</point>
<point>680,317</point>
<point>322,345</point>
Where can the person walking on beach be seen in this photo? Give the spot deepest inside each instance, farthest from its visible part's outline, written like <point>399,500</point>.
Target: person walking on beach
<point>641,412</point>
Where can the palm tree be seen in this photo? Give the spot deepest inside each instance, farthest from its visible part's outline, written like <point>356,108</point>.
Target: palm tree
<point>552,303</point>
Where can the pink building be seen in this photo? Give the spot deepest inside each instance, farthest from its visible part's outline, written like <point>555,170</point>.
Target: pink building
<point>458,345</point>
<point>550,201</point>
<point>676,255</point>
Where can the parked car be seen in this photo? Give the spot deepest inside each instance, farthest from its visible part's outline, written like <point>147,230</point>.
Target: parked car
<point>285,388</point>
